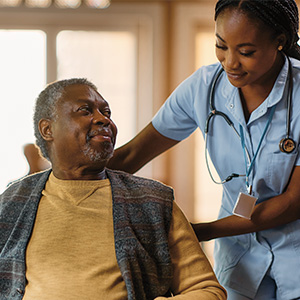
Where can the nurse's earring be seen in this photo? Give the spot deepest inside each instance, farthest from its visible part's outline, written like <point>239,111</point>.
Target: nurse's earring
<point>280,41</point>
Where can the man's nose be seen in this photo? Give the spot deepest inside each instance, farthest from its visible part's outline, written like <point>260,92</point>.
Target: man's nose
<point>100,118</point>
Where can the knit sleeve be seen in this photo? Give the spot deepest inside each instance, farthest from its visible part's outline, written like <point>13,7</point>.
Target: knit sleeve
<point>193,274</point>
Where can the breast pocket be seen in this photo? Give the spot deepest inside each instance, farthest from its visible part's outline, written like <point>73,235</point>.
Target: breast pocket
<point>279,168</point>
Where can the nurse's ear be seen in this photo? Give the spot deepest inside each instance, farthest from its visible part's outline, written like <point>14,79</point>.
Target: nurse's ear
<point>281,41</point>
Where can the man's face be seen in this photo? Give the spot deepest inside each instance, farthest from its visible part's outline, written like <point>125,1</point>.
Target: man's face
<point>83,133</point>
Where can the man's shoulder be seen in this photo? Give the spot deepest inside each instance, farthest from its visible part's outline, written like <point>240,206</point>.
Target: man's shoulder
<point>130,177</point>
<point>26,184</point>
<point>137,182</point>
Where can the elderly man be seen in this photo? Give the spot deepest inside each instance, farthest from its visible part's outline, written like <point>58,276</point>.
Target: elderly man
<point>81,231</point>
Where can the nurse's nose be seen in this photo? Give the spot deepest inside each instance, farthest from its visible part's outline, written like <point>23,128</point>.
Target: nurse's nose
<point>231,61</point>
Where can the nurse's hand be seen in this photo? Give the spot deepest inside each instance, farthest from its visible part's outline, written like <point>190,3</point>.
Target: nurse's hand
<point>148,144</point>
<point>203,231</point>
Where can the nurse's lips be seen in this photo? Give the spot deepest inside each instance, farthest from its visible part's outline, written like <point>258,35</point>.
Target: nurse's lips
<point>235,76</point>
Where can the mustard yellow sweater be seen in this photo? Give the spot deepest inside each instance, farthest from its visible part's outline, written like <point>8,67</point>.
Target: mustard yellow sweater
<point>64,260</point>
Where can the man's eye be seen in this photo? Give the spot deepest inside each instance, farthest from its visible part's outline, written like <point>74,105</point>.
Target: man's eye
<point>107,113</point>
<point>84,109</point>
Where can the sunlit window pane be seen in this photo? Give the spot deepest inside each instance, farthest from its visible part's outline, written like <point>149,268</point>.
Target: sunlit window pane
<point>38,3</point>
<point>10,3</point>
<point>22,77</point>
<point>108,59</point>
<point>98,3</point>
<point>205,188</point>
<point>68,3</point>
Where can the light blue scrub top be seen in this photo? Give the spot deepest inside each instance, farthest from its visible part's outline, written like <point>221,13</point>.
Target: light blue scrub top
<point>242,261</point>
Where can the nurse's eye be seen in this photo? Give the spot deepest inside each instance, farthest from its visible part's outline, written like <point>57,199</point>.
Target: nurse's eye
<point>247,53</point>
<point>221,47</point>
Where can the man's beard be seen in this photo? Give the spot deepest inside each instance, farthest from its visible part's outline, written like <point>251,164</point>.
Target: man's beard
<point>98,156</point>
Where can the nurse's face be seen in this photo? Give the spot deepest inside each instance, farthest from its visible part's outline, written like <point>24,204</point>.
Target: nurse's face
<point>247,50</point>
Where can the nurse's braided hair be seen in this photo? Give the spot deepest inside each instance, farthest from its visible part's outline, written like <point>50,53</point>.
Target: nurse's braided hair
<point>281,16</point>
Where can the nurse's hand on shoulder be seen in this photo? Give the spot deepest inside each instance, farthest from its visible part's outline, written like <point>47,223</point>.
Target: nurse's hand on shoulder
<point>203,231</point>
<point>148,144</point>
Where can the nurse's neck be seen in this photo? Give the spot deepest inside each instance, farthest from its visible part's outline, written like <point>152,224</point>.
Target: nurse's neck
<point>251,101</point>
<point>252,98</point>
<point>253,95</point>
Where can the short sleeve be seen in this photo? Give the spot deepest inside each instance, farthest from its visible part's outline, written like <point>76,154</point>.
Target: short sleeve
<point>187,107</point>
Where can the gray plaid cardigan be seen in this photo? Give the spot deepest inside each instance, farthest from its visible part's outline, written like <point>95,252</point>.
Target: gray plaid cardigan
<point>142,212</point>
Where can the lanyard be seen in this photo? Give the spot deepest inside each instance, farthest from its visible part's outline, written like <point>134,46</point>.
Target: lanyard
<point>248,170</point>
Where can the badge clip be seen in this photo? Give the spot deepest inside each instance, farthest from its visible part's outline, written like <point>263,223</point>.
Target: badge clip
<point>244,206</point>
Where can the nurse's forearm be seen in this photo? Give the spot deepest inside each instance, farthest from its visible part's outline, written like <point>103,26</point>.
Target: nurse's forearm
<point>269,214</point>
<point>148,144</point>
<point>274,212</point>
<point>264,217</point>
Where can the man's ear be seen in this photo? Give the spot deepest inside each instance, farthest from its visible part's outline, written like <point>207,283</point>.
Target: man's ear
<point>45,129</point>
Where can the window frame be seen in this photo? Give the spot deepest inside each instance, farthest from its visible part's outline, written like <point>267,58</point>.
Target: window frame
<point>146,20</point>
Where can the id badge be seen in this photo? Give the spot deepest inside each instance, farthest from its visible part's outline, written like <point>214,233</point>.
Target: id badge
<point>244,205</point>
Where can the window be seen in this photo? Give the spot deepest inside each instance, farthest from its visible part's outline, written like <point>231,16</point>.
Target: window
<point>96,55</point>
<point>205,188</point>
<point>208,195</point>
<point>58,3</point>
<point>22,76</point>
<point>112,48</point>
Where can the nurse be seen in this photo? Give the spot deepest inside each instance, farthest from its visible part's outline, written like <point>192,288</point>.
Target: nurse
<point>257,255</point>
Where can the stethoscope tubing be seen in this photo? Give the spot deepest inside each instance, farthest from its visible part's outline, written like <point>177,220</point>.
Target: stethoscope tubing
<point>215,112</point>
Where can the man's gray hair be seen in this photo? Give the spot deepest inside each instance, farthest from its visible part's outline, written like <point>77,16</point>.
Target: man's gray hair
<point>45,106</point>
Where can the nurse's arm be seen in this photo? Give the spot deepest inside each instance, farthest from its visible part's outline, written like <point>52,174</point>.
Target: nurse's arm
<point>274,212</point>
<point>148,144</point>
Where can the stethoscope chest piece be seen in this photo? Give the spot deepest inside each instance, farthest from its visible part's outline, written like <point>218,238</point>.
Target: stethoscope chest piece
<point>287,145</point>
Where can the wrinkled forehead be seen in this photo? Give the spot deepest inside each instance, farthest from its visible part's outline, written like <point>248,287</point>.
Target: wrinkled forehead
<point>77,95</point>
<point>73,93</point>
<point>80,89</point>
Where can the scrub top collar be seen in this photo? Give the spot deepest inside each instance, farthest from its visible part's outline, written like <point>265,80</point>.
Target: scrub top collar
<point>234,105</point>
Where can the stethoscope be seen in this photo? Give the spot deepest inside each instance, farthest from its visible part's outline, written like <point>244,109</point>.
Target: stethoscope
<point>286,145</point>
